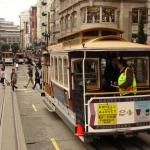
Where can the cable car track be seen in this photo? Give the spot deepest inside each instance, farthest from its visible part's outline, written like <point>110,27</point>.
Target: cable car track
<point>121,143</point>
<point>2,105</point>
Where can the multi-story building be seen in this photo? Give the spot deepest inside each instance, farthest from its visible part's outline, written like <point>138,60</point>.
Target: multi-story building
<point>43,13</point>
<point>9,33</point>
<point>71,16</point>
<point>33,25</point>
<point>54,21</point>
<point>24,30</point>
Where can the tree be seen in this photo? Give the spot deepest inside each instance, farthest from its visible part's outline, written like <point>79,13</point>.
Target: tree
<point>5,47</point>
<point>15,47</point>
<point>141,35</point>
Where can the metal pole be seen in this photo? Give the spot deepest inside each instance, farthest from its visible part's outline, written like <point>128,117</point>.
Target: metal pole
<point>84,87</point>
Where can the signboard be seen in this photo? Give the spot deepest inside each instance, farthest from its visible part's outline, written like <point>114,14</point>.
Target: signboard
<point>107,114</point>
<point>122,113</point>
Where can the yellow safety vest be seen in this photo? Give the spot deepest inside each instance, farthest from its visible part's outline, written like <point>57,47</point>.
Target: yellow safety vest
<point>122,79</point>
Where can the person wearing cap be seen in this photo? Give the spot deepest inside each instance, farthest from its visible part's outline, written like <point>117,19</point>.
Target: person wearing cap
<point>126,80</point>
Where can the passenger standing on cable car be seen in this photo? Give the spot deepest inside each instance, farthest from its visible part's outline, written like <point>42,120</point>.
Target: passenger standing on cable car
<point>126,80</point>
<point>111,75</point>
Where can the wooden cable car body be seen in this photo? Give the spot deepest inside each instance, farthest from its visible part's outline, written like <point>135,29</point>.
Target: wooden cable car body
<point>7,58</point>
<point>19,57</point>
<point>73,77</point>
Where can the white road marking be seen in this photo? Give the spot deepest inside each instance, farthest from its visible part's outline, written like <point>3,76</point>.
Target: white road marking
<point>34,108</point>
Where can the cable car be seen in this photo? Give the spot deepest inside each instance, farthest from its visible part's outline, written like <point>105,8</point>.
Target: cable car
<point>19,57</point>
<point>7,58</point>
<point>74,79</point>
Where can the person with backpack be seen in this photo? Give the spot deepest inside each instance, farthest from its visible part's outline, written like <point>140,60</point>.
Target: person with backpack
<point>37,79</point>
<point>30,76</point>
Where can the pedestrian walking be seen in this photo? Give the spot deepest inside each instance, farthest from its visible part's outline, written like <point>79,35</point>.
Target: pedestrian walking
<point>3,63</point>
<point>30,76</point>
<point>37,79</point>
<point>40,74</point>
<point>13,79</point>
<point>2,76</point>
<point>17,66</point>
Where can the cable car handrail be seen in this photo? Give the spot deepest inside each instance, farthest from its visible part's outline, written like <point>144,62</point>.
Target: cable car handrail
<point>110,93</point>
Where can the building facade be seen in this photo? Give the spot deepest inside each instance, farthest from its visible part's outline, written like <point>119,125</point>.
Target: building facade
<point>9,33</point>
<point>71,16</point>
<point>43,13</point>
<point>24,30</point>
<point>33,25</point>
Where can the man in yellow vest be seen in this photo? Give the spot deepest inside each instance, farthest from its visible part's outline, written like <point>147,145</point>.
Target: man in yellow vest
<point>126,80</point>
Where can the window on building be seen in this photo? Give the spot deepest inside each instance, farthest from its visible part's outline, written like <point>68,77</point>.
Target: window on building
<point>108,14</point>
<point>74,19</point>
<point>136,12</point>
<point>60,70</point>
<point>93,14</point>
<point>83,14</point>
<point>62,23</point>
<point>67,21</point>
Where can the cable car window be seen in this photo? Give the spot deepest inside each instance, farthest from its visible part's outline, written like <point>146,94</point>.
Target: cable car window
<point>55,69</point>
<point>60,70</point>
<point>65,65</point>
<point>140,66</point>
<point>91,73</point>
<point>52,67</point>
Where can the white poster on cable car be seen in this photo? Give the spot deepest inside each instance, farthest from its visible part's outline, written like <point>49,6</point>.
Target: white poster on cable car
<point>124,112</point>
<point>142,111</point>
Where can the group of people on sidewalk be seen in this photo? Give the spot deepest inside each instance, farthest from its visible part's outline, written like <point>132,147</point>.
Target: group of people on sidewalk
<point>14,77</point>
<point>37,75</point>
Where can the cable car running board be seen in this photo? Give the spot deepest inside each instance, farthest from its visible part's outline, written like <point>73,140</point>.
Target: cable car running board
<point>50,106</point>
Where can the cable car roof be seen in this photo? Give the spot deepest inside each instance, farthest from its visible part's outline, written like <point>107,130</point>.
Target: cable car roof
<point>100,44</point>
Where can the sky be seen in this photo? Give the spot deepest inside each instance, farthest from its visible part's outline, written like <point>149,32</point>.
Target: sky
<point>11,9</point>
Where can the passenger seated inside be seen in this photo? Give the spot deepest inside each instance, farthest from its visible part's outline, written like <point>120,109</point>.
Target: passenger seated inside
<point>111,75</point>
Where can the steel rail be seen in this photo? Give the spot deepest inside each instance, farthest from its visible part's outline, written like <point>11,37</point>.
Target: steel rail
<point>2,107</point>
<point>122,143</point>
